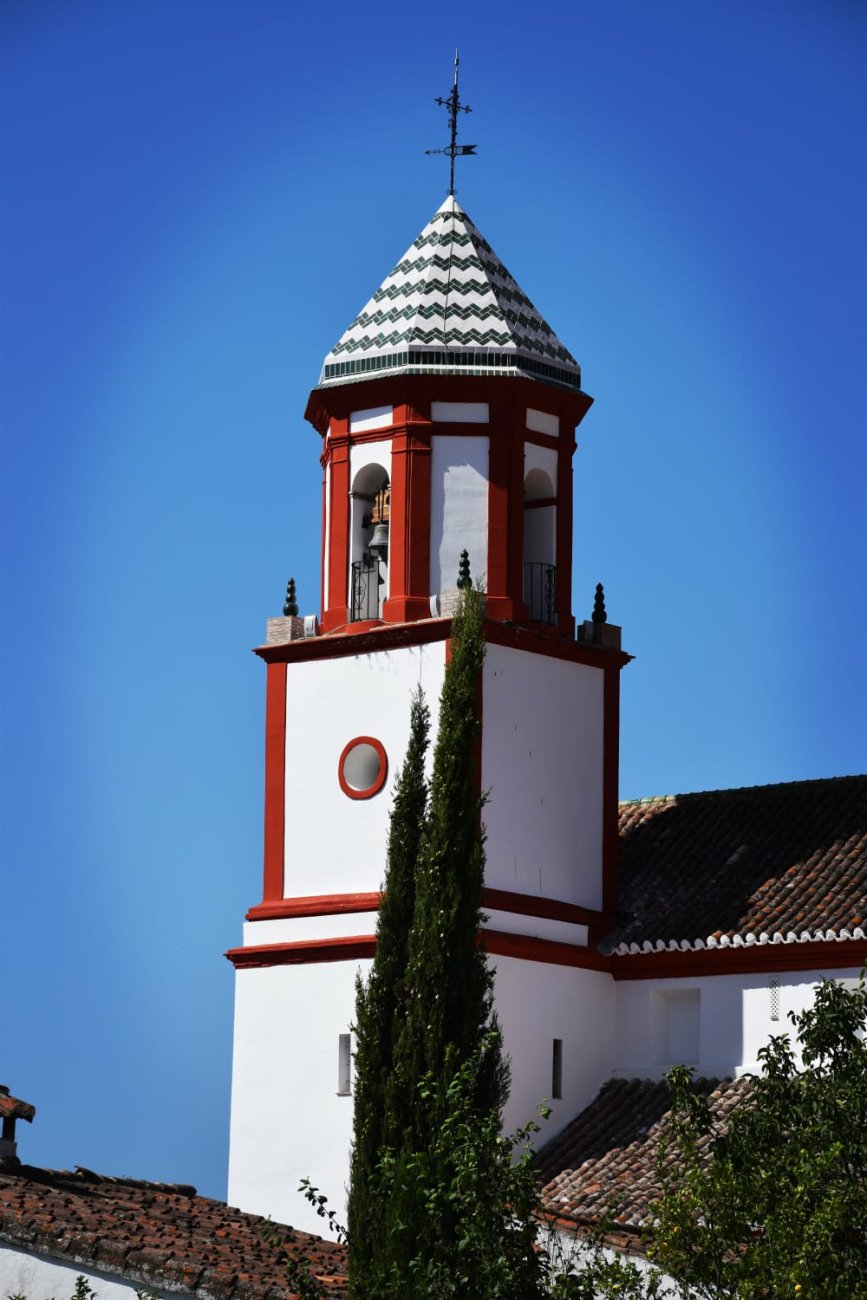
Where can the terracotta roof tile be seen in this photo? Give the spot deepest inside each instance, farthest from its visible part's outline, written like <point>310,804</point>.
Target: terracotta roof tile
<point>13,1108</point>
<point>157,1234</point>
<point>774,859</point>
<point>604,1163</point>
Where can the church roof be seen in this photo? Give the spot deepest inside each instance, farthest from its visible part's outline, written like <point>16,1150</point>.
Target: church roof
<point>450,307</point>
<point>603,1166</point>
<point>764,864</point>
<point>157,1235</point>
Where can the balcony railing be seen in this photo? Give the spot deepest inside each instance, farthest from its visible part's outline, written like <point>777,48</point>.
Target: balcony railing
<point>368,579</point>
<point>540,592</point>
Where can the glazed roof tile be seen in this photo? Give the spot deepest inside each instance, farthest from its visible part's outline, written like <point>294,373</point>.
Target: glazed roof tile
<point>764,864</point>
<point>603,1167</point>
<point>449,306</point>
<point>156,1234</point>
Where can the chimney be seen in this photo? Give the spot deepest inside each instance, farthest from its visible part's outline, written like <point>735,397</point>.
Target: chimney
<point>11,1110</point>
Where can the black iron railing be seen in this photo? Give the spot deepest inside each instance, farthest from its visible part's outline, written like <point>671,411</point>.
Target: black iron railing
<point>540,592</point>
<point>368,579</point>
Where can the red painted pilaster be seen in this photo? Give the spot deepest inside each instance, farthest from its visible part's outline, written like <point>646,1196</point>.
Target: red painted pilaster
<point>337,560</point>
<point>409,526</point>
<point>565,619</point>
<point>275,780</point>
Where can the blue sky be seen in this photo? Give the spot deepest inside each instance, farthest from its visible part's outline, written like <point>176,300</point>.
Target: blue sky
<point>198,199</point>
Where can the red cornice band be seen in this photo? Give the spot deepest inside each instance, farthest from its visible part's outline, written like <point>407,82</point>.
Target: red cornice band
<point>756,959</point>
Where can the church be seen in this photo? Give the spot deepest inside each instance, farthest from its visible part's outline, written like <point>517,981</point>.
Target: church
<point>625,937</point>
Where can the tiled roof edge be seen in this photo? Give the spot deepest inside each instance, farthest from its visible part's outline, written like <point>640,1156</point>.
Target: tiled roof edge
<point>769,785</point>
<point>52,1249</point>
<point>647,948</point>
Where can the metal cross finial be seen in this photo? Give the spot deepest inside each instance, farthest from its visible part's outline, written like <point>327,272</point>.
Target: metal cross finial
<point>454,150</point>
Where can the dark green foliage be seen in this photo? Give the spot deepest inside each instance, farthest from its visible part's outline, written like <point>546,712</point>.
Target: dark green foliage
<point>380,1108</point>
<point>449,986</point>
<point>775,1203</point>
<point>472,1196</point>
<point>430,1078</point>
<point>782,1207</point>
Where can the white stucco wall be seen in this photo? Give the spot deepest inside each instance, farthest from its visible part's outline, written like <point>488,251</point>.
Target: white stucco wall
<point>542,422</point>
<point>288,1121</point>
<point>45,1277</point>
<point>536,1003</point>
<point>734,1020</point>
<point>373,417</point>
<point>543,458</point>
<point>334,844</point>
<point>542,762</point>
<point>459,508</point>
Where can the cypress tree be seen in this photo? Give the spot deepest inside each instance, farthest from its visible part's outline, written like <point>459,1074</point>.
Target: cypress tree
<point>438,1207</point>
<point>448,1051</point>
<point>379,1011</point>
<point>449,985</point>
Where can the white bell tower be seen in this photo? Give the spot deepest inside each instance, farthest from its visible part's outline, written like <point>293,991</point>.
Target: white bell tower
<point>447,413</point>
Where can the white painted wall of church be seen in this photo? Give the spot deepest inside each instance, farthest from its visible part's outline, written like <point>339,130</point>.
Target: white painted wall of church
<point>335,844</point>
<point>537,1003</point>
<point>733,1020</point>
<point>542,762</point>
<point>459,508</point>
<point>288,1122</point>
<point>46,1277</point>
<point>543,458</point>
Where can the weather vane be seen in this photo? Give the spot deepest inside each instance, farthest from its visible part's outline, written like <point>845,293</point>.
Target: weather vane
<point>454,150</point>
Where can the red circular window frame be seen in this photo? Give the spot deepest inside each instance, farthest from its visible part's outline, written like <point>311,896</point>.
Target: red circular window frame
<point>381,775</point>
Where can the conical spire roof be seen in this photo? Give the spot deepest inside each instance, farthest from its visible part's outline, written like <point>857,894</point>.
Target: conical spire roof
<point>450,307</point>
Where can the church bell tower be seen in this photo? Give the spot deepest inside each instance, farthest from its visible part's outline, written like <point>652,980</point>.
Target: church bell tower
<point>447,414</point>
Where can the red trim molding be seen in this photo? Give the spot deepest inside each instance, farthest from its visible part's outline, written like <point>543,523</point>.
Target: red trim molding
<point>353,947</point>
<point>501,900</point>
<point>382,636</point>
<point>314,905</point>
<point>549,642</point>
<point>346,948</point>
<point>757,959</point>
<point>502,944</point>
<point>504,900</point>
<point>825,954</point>
<point>379,781</point>
<point>275,780</point>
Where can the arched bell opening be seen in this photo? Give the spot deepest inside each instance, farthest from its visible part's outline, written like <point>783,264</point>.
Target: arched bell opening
<point>540,547</point>
<point>370,498</point>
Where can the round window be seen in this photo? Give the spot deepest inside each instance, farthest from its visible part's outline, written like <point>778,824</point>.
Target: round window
<point>363,768</point>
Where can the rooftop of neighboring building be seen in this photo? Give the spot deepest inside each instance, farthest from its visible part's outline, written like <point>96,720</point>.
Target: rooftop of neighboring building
<point>156,1235</point>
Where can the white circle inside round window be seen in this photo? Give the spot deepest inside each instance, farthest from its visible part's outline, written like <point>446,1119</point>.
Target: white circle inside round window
<point>363,767</point>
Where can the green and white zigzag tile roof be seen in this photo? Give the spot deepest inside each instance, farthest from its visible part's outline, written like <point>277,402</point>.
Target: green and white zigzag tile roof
<point>450,307</point>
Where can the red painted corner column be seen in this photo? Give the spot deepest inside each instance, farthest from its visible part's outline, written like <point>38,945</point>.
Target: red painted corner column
<point>275,780</point>
<point>409,522</point>
<point>565,618</point>
<point>500,592</point>
<point>337,560</point>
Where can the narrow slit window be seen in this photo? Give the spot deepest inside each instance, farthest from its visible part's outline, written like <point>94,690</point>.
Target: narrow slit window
<point>344,1064</point>
<point>557,1069</point>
